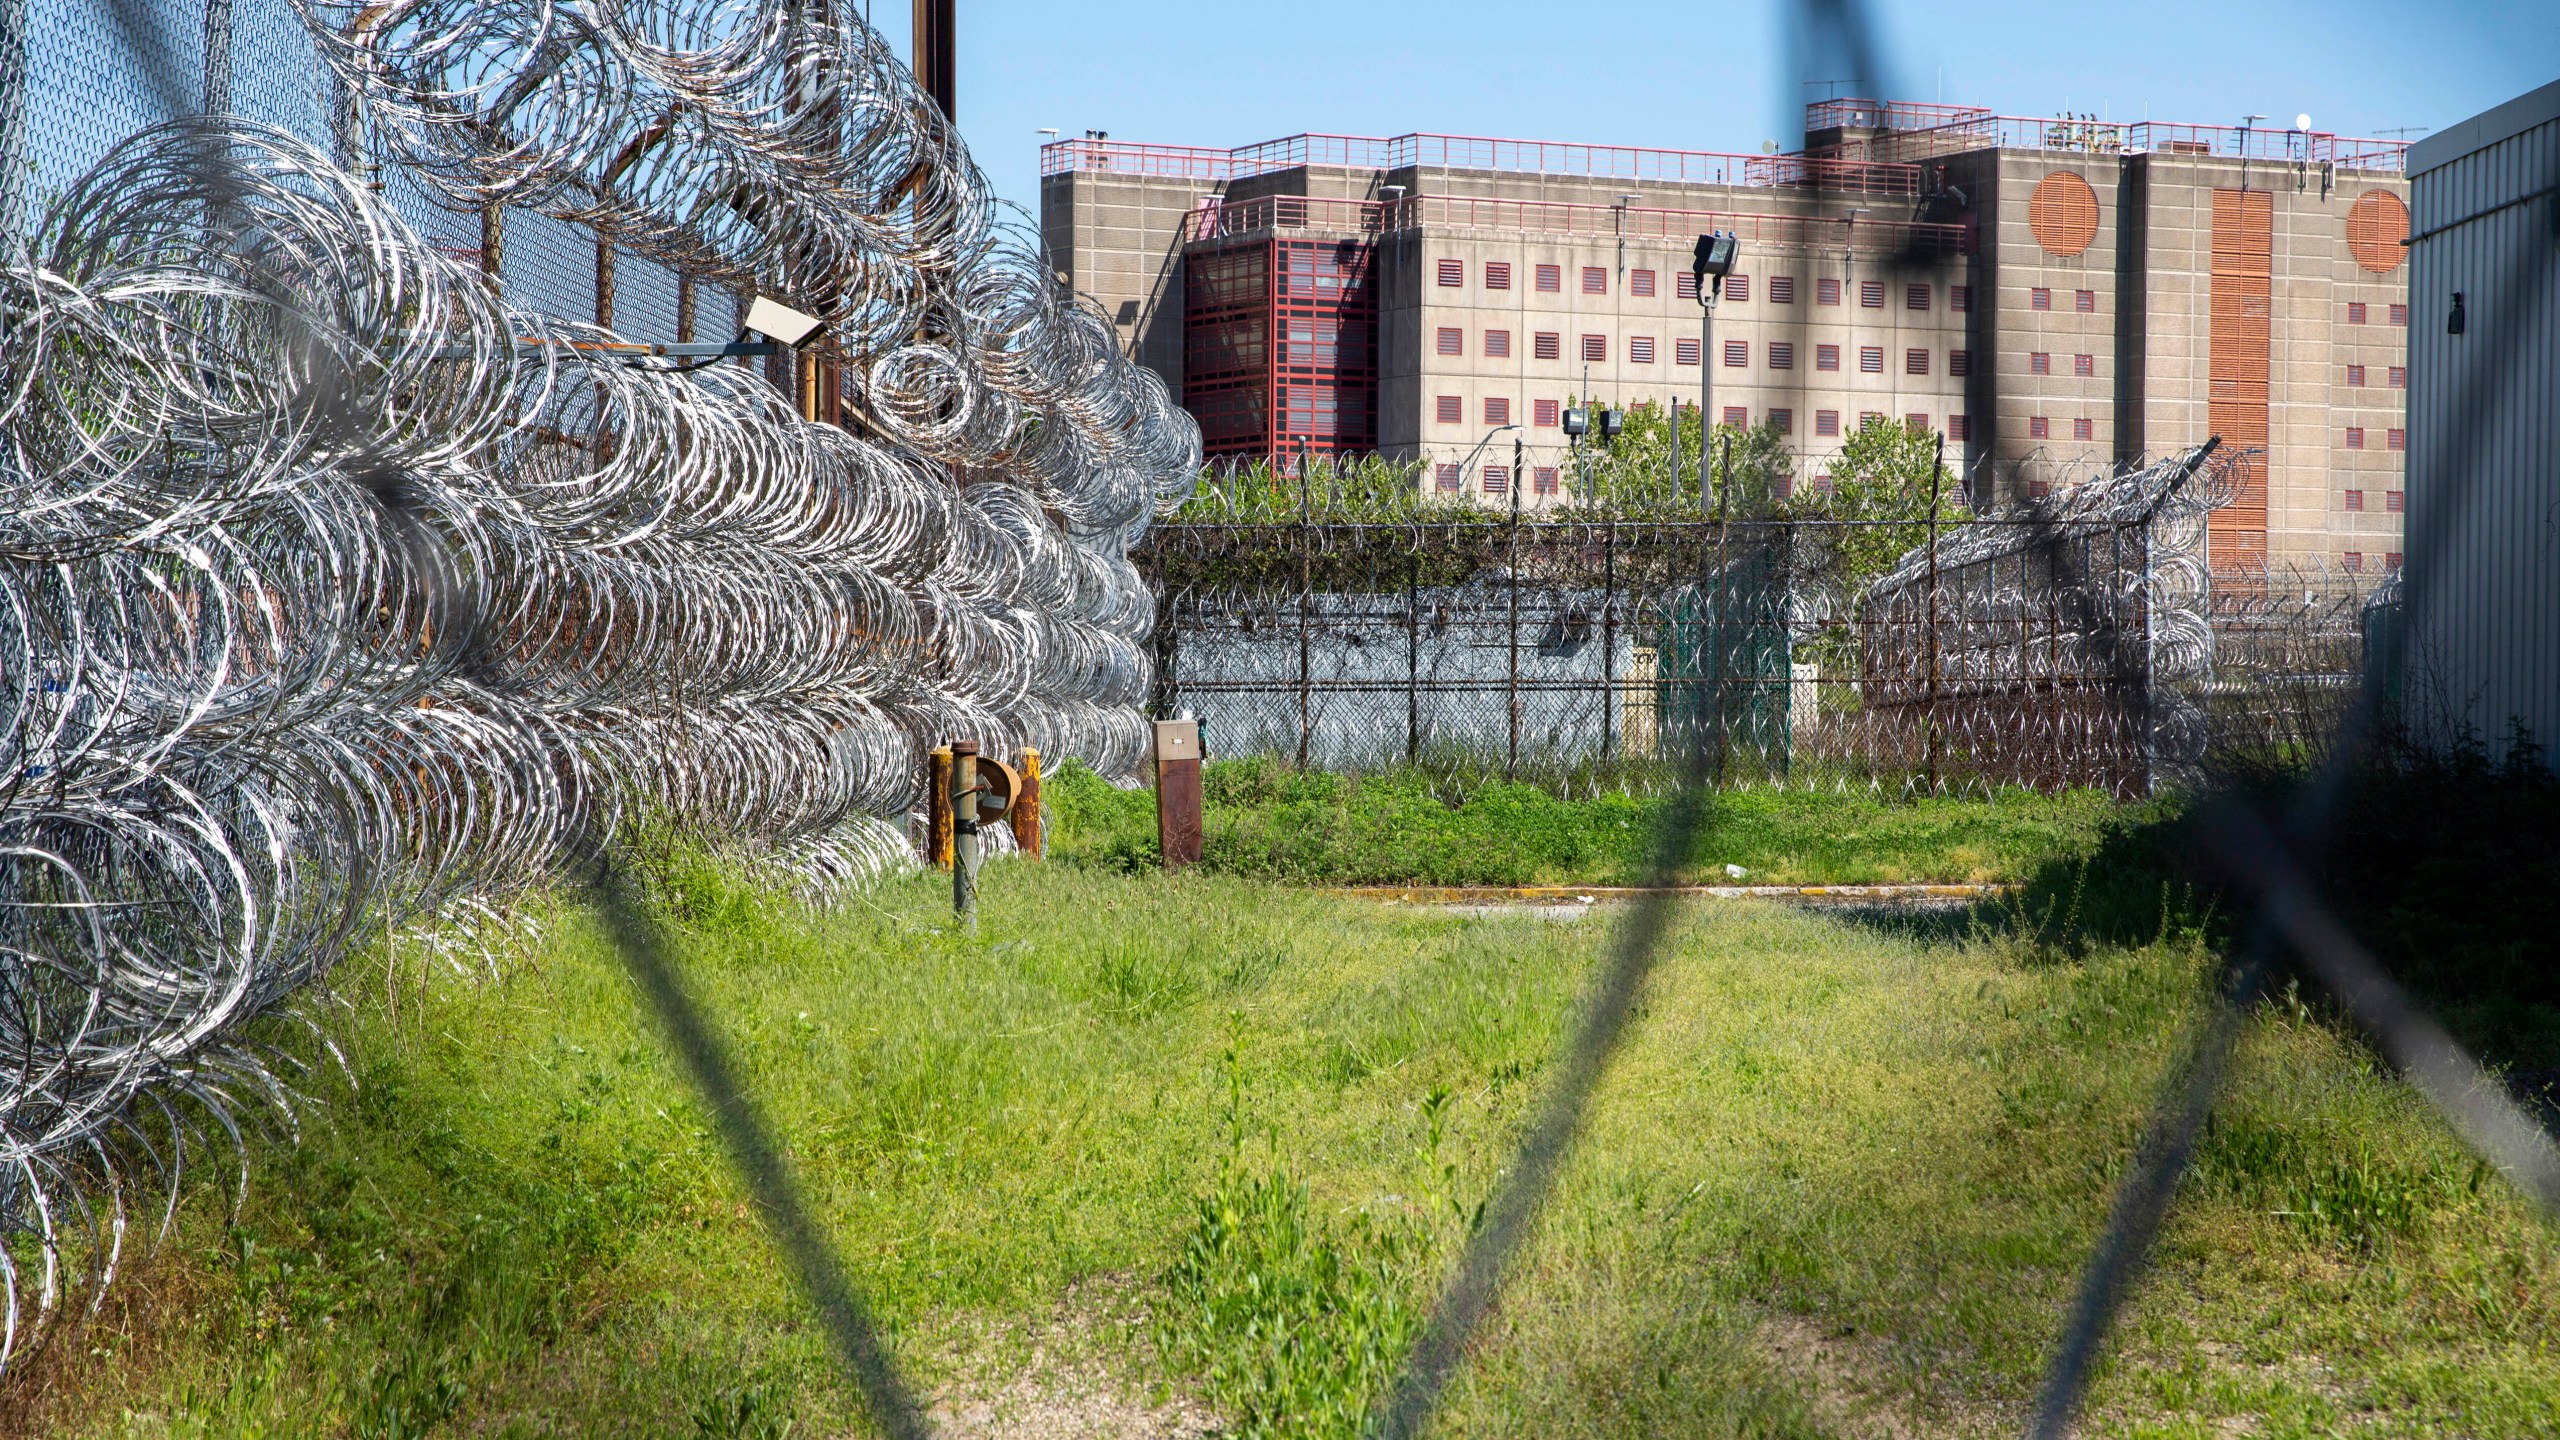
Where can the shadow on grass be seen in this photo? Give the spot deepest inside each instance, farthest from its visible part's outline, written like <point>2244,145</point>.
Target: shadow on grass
<point>2448,871</point>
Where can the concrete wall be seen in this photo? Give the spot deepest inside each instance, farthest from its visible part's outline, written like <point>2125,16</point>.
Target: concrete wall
<point>1118,238</point>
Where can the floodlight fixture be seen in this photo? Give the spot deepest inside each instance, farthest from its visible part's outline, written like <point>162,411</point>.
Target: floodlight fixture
<point>1611,422</point>
<point>1577,421</point>
<point>1714,259</point>
<point>780,323</point>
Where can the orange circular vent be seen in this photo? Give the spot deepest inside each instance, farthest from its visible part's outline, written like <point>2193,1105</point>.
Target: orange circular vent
<point>2376,224</point>
<point>2064,213</point>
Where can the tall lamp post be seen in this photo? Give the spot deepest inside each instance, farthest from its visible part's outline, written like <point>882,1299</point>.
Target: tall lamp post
<point>1709,264</point>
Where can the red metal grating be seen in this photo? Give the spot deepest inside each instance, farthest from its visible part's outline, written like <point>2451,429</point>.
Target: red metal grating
<point>1280,341</point>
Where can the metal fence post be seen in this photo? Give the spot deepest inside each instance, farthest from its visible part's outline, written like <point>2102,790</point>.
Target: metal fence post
<point>1929,709</point>
<point>1413,649</point>
<point>1511,765</point>
<point>1609,638</point>
<point>13,118</point>
<point>1306,604</point>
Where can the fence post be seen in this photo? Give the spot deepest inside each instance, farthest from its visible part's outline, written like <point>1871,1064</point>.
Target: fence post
<point>963,804</point>
<point>1413,651</point>
<point>1306,602</point>
<point>1929,710</point>
<point>1178,791</point>
<point>1511,765</point>
<point>937,824</point>
<point>1713,631</point>
<point>14,86</point>
<point>1609,634</point>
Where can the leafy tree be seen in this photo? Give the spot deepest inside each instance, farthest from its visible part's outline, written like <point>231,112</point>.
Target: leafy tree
<point>1631,477</point>
<point>1882,473</point>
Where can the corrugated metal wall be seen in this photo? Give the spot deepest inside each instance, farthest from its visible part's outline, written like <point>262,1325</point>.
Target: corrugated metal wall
<point>2241,359</point>
<point>2483,569</point>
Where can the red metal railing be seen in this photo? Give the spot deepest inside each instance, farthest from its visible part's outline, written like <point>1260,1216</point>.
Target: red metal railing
<point>1475,152</point>
<point>1948,129</point>
<point>1853,114</point>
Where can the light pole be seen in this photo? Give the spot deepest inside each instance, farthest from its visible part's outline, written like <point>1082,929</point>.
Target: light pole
<point>1708,265</point>
<point>1466,464</point>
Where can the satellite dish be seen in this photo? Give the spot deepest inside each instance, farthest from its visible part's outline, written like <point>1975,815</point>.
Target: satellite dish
<point>2301,122</point>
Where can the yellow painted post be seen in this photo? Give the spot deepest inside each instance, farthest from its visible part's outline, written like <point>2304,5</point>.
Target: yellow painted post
<point>938,807</point>
<point>1028,822</point>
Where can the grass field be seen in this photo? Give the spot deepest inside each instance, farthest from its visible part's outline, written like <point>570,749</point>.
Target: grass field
<point>1146,1148</point>
<point>1264,820</point>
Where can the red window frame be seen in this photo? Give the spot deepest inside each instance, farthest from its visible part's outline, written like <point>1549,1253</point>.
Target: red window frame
<point>2084,366</point>
<point>2354,562</point>
<point>1917,424</point>
<point>1784,419</point>
<point>1640,282</point>
<point>2395,438</point>
<point>1497,409</point>
<point>1738,416</point>
<point>1453,341</point>
<point>1451,410</point>
<point>1782,355</point>
<point>2399,313</point>
<point>1870,359</point>
<point>1959,362</point>
<point>1639,349</point>
<point>1448,478</point>
<point>1684,350</point>
<point>1826,290</point>
<point>2355,500</point>
<point>2039,428</point>
<point>1871,294</point>
<point>1685,284</point>
<point>2355,437</point>
<point>1542,480</point>
<point>1551,279</point>
<point>1595,349</point>
<point>2084,428</point>
<point>1915,362</point>
<point>1826,422</point>
<point>1737,354</point>
<point>1547,344</point>
<point>1959,297</point>
<point>1595,279</point>
<point>1959,428</point>
<point>1453,272</point>
<point>2390,559</point>
<point>1826,357</point>
<point>1542,413</point>
<point>2394,501</point>
<point>2040,298</point>
<point>2356,313</point>
<point>1497,479</point>
<point>1737,287</point>
<point>2399,377</point>
<point>2039,362</point>
<point>1915,297</point>
<point>1782,289</point>
<point>2085,301</point>
<point>1497,274</point>
<point>2355,376</point>
<point>1497,344</point>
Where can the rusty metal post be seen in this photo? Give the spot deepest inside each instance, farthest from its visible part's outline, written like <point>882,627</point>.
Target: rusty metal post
<point>684,308</point>
<point>1178,826</point>
<point>493,243</point>
<point>1029,825</point>
<point>937,842</point>
<point>964,830</point>
<point>936,52</point>
<point>604,279</point>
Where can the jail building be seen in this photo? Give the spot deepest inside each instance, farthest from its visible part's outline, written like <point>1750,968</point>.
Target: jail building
<point>2053,296</point>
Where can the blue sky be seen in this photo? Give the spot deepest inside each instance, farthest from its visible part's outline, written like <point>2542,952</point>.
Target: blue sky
<point>1648,72</point>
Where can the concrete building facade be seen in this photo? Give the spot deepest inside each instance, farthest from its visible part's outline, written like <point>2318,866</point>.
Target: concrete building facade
<point>2055,297</point>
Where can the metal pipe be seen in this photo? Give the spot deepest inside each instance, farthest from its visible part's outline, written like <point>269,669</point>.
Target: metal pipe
<point>964,831</point>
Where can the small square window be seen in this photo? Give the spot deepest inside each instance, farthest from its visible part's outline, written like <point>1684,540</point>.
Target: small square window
<point>1916,424</point>
<point>1453,272</point>
<point>1639,349</point>
<point>1447,479</point>
<point>1547,345</point>
<point>1871,294</point>
<point>1959,428</point>
<point>1915,362</point>
<point>1685,350</point>
<point>2039,428</point>
<point>1595,280</point>
<point>1452,410</point>
<point>1959,362</point>
<point>1595,348</point>
<point>1871,359</point>
<point>1497,274</point>
<point>2399,377</point>
<point>1782,355</point>
<point>1915,297</point>
<point>1497,344</point>
<point>2390,559</point>
<point>2084,366</point>
<point>1685,285</point>
<point>1826,291</point>
<point>2040,298</point>
<point>2085,301</point>
<point>1543,479</point>
<point>2039,489</point>
<point>2355,312</point>
<point>1826,422</point>
<point>2396,439</point>
<point>2039,363</point>
<point>1453,341</point>
<point>1542,413</point>
<point>1959,297</point>
<point>1551,278</point>
<point>1784,420</point>
<point>2355,500</point>
<point>2399,314</point>
<point>2355,562</point>
<point>1737,354</point>
<point>1737,287</point>
<point>1868,418</point>
<point>2392,501</point>
<point>1826,357</point>
<point>2355,437</point>
<point>1823,484</point>
<point>1640,282</point>
<point>1497,479</point>
<point>1497,410</point>
<point>2355,375</point>
<point>2084,429</point>
<point>1782,289</point>
<point>1737,416</point>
